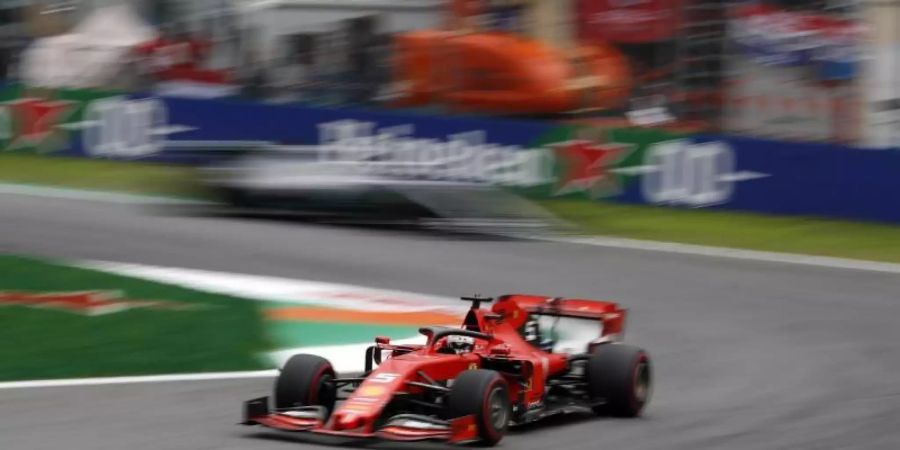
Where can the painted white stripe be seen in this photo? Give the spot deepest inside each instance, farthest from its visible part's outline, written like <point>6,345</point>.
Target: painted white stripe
<point>287,290</point>
<point>139,379</point>
<point>89,195</point>
<point>732,253</point>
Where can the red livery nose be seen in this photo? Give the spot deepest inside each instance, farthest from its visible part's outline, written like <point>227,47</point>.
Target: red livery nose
<point>348,421</point>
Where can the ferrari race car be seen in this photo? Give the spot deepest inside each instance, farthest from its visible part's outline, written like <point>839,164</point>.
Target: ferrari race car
<point>527,358</point>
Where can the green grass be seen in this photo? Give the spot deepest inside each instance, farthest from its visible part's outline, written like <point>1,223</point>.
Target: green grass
<point>806,235</point>
<point>93,174</point>
<point>218,333</point>
<point>814,236</point>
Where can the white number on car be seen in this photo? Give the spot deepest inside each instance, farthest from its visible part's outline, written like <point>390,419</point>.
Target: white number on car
<point>384,378</point>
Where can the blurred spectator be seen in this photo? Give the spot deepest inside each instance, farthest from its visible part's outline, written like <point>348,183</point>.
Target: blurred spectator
<point>176,54</point>
<point>289,74</point>
<point>159,11</point>
<point>251,74</point>
<point>4,64</point>
<point>6,36</point>
<point>505,15</point>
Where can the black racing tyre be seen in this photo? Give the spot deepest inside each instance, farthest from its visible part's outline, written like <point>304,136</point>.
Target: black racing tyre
<point>485,395</point>
<point>306,380</point>
<point>622,377</point>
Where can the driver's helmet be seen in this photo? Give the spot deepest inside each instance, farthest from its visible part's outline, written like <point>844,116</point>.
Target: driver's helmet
<point>460,344</point>
<point>532,332</point>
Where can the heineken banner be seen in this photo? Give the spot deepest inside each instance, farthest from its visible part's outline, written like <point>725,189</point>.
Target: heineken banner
<point>540,159</point>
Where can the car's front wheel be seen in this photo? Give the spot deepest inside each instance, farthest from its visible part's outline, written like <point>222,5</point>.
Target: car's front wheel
<point>306,380</point>
<point>483,394</point>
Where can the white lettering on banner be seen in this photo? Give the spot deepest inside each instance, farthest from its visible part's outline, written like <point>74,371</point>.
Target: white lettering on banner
<point>696,175</point>
<point>118,127</point>
<point>384,378</point>
<point>462,156</point>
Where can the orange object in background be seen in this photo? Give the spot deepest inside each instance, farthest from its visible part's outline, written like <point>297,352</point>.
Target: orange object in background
<point>507,74</point>
<point>606,79</point>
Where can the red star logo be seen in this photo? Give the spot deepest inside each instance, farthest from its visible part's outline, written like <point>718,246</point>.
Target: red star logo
<point>88,303</point>
<point>585,167</point>
<point>36,120</point>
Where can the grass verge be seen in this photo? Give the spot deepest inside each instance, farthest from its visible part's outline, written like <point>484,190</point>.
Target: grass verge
<point>61,337</point>
<point>805,235</point>
<point>97,174</point>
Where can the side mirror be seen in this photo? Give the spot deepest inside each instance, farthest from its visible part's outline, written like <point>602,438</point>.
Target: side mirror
<point>382,340</point>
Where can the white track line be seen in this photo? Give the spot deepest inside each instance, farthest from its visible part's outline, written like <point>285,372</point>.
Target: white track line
<point>732,253</point>
<point>89,195</point>
<point>286,290</point>
<point>138,379</point>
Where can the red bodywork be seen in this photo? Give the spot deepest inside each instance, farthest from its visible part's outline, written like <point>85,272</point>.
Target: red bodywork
<point>409,367</point>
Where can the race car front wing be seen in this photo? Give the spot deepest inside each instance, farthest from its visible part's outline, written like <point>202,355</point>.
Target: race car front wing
<point>401,427</point>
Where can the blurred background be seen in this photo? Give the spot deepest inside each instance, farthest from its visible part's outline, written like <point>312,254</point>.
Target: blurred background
<point>196,186</point>
<point>816,70</point>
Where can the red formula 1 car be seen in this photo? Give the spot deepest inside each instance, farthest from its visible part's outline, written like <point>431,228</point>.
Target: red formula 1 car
<point>527,358</point>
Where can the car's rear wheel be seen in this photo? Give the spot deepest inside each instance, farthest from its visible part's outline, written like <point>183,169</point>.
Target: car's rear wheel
<point>621,377</point>
<point>306,380</point>
<point>483,394</point>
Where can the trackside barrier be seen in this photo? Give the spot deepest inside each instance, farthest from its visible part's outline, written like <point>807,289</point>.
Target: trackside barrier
<point>540,159</point>
<point>766,176</point>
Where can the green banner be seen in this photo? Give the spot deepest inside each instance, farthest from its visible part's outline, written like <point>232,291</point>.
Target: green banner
<point>592,163</point>
<point>36,120</point>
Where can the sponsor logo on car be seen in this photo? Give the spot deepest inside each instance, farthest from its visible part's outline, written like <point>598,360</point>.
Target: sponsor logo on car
<point>371,391</point>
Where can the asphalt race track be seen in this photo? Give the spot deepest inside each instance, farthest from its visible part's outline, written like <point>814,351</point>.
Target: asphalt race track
<point>748,355</point>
